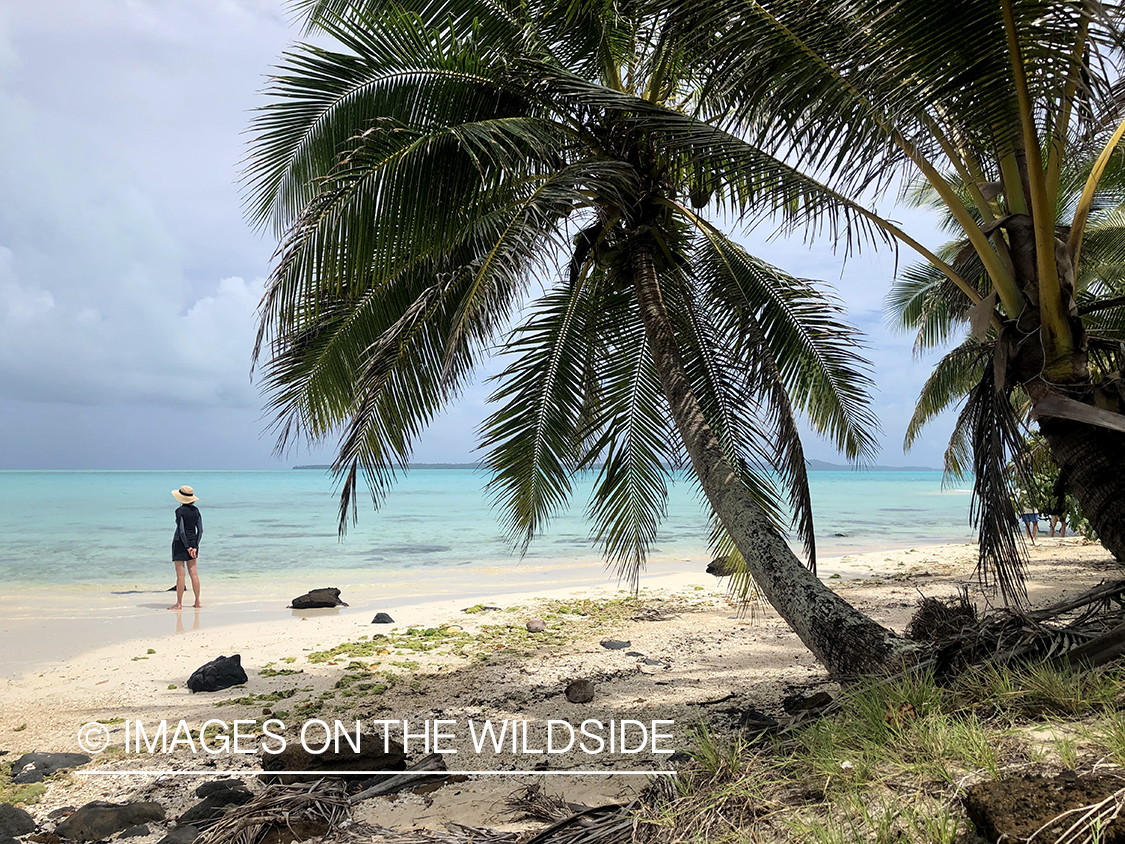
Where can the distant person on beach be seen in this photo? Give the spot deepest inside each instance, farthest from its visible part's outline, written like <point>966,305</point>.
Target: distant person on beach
<point>185,544</point>
<point>1031,525</point>
<point>1057,511</point>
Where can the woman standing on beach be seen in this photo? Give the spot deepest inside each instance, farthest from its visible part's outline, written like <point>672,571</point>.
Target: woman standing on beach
<point>185,544</point>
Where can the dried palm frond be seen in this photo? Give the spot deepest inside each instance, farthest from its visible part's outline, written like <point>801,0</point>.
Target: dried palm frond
<point>322,804</point>
<point>1007,635</point>
<point>997,438</point>
<point>533,802</point>
<point>937,618</point>
<point>453,833</point>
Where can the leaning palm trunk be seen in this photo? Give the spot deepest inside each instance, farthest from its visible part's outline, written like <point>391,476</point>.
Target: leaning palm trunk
<point>1060,383</point>
<point>1098,483</point>
<point>842,638</point>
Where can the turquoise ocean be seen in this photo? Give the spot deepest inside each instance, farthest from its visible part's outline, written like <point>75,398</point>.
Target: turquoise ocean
<point>83,528</point>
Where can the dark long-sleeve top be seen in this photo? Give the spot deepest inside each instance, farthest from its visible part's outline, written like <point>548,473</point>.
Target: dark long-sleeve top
<point>189,525</point>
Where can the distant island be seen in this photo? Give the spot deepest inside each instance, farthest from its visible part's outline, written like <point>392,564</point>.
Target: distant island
<point>824,466</point>
<point>813,466</point>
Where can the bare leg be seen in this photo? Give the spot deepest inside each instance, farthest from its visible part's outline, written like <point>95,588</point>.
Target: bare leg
<point>179,586</point>
<point>194,575</point>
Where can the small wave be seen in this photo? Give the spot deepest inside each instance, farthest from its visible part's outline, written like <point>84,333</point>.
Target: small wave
<point>415,549</point>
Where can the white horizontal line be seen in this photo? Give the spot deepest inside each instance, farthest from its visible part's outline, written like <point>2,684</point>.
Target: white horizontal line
<point>216,773</point>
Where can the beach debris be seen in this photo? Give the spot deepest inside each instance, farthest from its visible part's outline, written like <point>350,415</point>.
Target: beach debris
<point>615,644</point>
<point>656,613</point>
<point>218,674</point>
<point>99,819</point>
<point>937,618</point>
<point>32,767</point>
<point>382,618</point>
<point>285,813</point>
<point>428,769</point>
<point>475,608</point>
<point>536,625</point>
<point>1066,806</point>
<point>181,835</point>
<point>580,691</point>
<point>798,702</point>
<point>373,755</point>
<point>317,599</point>
<point>15,821</point>
<point>213,805</point>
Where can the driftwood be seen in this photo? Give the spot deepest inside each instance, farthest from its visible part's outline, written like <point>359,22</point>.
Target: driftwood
<point>1098,651</point>
<point>427,769</point>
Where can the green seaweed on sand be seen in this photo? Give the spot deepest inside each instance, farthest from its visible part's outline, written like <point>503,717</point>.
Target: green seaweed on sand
<point>254,699</point>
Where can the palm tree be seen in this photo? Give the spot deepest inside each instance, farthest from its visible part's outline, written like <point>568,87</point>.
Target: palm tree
<point>997,98</point>
<point>444,158</point>
<point>923,301</point>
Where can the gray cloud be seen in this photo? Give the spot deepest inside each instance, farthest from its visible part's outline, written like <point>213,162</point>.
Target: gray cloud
<point>128,277</point>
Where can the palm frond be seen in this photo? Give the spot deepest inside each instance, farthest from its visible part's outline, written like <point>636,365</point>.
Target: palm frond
<point>997,438</point>
<point>531,441</point>
<point>952,379</point>
<point>630,436</point>
<point>816,353</point>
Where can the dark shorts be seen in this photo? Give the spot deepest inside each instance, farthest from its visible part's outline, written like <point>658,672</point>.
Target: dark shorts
<point>179,551</point>
<point>1030,517</point>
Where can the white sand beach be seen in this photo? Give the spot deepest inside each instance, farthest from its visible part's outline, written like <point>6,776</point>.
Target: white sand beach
<point>691,655</point>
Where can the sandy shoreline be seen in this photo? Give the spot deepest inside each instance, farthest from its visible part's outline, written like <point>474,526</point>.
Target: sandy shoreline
<point>690,657</point>
<point>46,624</point>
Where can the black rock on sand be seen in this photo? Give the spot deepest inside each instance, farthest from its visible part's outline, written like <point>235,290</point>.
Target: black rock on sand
<point>32,767</point>
<point>317,599</point>
<point>218,674</point>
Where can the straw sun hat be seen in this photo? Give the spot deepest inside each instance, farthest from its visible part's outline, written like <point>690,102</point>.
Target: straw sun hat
<point>185,494</point>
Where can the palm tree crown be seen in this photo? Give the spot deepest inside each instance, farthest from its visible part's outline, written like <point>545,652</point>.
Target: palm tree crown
<point>446,156</point>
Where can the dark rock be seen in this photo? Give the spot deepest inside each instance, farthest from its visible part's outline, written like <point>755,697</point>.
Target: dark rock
<point>32,767</point>
<point>39,838</point>
<point>802,703</point>
<point>318,599</point>
<point>213,806</point>
<point>15,821</point>
<point>181,835</point>
<point>656,662</point>
<point>633,653</point>
<point>7,839</point>
<point>138,831</point>
<point>215,786</point>
<point>615,644</point>
<point>536,625</point>
<point>294,757</point>
<point>99,819</point>
<point>580,691</point>
<point>60,812</point>
<point>1011,810</point>
<point>382,618</point>
<point>723,566</point>
<point>220,673</point>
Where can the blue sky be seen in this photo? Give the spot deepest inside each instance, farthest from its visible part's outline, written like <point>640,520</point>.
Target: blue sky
<point>129,279</point>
